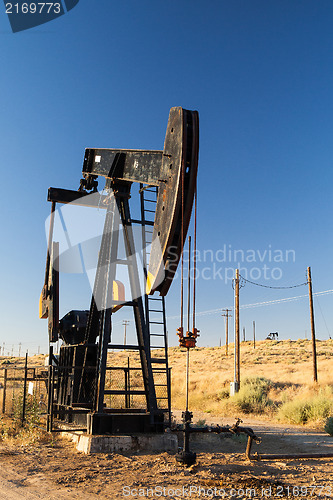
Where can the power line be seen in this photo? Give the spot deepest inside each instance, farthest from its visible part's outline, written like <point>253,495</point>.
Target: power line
<point>258,304</point>
<point>329,334</point>
<point>273,287</point>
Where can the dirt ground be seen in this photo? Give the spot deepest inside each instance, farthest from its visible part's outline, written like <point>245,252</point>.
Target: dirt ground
<point>58,471</point>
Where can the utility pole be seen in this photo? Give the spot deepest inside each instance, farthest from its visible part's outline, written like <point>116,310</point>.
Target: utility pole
<point>227,316</point>
<point>313,333</point>
<point>243,333</point>
<point>254,334</point>
<point>237,350</point>
<point>125,323</point>
<point>20,345</point>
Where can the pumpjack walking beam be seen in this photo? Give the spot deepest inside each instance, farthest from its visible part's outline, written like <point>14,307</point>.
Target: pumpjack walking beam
<point>162,169</point>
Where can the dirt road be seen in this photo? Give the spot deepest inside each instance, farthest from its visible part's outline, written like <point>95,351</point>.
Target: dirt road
<point>222,471</point>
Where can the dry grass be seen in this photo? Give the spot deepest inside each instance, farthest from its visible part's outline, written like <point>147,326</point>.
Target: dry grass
<point>287,365</point>
<point>289,395</point>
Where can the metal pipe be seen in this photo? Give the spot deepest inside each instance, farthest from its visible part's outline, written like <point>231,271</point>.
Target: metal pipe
<point>273,456</point>
<point>195,254</point>
<point>187,376</point>
<point>182,253</point>
<point>218,430</point>
<point>248,447</point>
<point>237,349</point>
<point>189,285</point>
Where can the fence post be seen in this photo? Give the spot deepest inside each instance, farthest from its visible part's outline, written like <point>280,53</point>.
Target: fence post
<point>25,387</point>
<point>49,388</point>
<point>4,391</point>
<point>52,398</point>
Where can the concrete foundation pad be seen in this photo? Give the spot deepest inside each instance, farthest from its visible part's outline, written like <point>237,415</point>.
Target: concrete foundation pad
<point>87,443</point>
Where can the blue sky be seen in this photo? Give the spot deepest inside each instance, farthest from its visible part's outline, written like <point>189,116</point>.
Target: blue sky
<point>106,74</point>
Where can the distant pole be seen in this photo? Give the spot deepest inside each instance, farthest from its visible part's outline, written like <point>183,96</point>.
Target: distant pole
<point>254,334</point>
<point>38,349</point>
<point>227,316</point>
<point>20,345</point>
<point>12,350</point>
<point>313,333</point>
<point>125,323</point>
<point>237,349</point>
<point>243,333</point>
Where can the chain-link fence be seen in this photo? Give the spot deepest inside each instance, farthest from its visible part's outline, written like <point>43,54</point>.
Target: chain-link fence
<point>17,383</point>
<point>124,387</point>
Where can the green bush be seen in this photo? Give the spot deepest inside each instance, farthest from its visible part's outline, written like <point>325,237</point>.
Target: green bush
<point>329,426</point>
<point>311,409</point>
<point>295,412</point>
<point>252,396</point>
<point>32,410</point>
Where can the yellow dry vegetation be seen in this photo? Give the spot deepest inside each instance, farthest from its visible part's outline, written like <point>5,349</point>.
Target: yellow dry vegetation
<point>276,378</point>
<point>287,364</point>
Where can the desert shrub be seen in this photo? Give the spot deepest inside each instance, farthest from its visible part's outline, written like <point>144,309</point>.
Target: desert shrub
<point>329,426</point>
<point>295,412</point>
<point>32,410</point>
<point>309,409</point>
<point>12,430</point>
<point>224,394</point>
<point>252,396</point>
<point>200,423</point>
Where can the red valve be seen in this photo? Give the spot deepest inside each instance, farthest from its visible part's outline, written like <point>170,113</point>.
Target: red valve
<point>190,338</point>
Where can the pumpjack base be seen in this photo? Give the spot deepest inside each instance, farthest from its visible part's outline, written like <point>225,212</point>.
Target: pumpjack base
<point>122,421</point>
<point>143,443</point>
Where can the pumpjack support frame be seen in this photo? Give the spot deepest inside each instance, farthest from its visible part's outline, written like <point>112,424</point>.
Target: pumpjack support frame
<point>80,377</point>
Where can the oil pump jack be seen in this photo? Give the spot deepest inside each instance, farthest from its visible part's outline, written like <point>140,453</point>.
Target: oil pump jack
<point>80,390</point>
